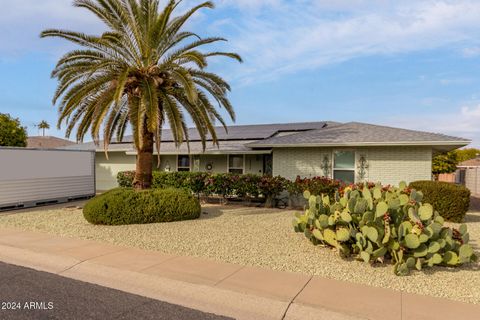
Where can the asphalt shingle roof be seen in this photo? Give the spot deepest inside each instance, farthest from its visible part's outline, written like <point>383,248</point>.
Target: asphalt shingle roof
<point>241,133</point>
<point>355,133</point>
<point>248,137</point>
<point>247,132</point>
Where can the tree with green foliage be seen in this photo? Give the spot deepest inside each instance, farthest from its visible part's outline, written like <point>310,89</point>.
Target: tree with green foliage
<point>467,154</point>
<point>444,163</point>
<point>43,125</point>
<point>145,71</point>
<point>12,134</point>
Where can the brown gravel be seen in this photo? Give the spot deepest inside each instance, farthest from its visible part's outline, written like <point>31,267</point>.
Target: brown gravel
<point>258,237</point>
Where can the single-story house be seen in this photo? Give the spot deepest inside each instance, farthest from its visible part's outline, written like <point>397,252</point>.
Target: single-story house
<point>351,152</point>
<point>471,163</point>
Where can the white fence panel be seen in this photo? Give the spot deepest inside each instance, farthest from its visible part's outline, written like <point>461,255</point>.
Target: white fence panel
<point>29,177</point>
<point>472,180</point>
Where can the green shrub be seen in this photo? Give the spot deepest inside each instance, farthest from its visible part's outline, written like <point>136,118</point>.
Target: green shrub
<point>224,184</point>
<point>220,184</point>
<point>246,185</point>
<point>193,181</point>
<point>196,181</point>
<point>450,200</point>
<point>315,185</point>
<point>270,187</point>
<point>169,179</point>
<point>125,179</point>
<point>384,224</point>
<point>127,206</point>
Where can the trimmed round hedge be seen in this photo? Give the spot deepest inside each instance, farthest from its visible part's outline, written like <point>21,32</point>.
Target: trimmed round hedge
<point>450,200</point>
<point>128,206</point>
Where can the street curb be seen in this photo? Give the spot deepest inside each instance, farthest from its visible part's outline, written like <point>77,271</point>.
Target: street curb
<point>196,296</point>
<point>47,262</point>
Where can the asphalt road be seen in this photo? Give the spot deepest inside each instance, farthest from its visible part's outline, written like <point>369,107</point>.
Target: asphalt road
<point>31,294</point>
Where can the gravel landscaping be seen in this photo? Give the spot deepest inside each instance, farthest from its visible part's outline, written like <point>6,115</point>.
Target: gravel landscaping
<point>258,237</point>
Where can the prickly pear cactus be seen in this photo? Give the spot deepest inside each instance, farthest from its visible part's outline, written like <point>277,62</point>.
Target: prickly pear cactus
<point>380,224</point>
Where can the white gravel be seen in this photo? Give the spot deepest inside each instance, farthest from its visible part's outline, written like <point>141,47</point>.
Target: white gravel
<point>258,237</point>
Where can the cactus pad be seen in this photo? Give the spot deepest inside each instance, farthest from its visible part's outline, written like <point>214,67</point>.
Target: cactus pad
<point>343,234</point>
<point>377,224</point>
<point>425,212</point>
<point>412,241</point>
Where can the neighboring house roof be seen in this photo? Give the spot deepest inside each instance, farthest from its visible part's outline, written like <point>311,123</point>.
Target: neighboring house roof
<point>261,138</point>
<point>48,142</point>
<point>470,163</point>
<point>359,134</point>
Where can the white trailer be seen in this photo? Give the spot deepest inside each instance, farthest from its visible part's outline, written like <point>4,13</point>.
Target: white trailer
<point>32,177</point>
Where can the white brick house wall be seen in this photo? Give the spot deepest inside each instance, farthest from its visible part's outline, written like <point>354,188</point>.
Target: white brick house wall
<point>106,170</point>
<point>305,162</point>
<point>389,165</point>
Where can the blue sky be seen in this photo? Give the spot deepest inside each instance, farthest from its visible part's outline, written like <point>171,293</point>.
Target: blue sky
<point>411,64</point>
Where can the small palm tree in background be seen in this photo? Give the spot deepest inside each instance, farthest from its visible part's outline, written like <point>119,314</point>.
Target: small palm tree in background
<point>43,125</point>
<point>145,71</point>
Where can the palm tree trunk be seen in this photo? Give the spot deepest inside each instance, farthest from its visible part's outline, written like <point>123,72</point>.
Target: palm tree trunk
<point>144,165</point>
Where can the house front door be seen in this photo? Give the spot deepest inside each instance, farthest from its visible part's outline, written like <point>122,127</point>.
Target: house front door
<point>268,164</point>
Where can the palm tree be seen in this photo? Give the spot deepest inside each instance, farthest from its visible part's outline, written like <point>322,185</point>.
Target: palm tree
<point>145,71</point>
<point>43,125</point>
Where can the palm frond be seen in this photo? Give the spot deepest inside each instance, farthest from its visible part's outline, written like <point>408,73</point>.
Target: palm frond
<point>144,71</point>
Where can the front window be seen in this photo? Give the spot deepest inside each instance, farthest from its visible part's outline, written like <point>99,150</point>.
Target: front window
<point>183,163</point>
<point>235,164</point>
<point>344,166</point>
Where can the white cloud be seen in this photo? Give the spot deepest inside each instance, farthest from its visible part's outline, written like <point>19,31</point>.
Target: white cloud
<point>473,114</point>
<point>291,36</point>
<point>471,52</point>
<point>463,122</point>
<point>278,37</point>
<point>251,4</point>
<point>455,81</point>
<point>21,22</point>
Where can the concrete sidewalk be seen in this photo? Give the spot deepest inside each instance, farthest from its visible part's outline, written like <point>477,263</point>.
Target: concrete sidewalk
<point>236,291</point>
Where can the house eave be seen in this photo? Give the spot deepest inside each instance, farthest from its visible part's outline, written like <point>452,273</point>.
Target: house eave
<point>111,151</point>
<point>363,144</point>
<point>224,152</point>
